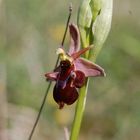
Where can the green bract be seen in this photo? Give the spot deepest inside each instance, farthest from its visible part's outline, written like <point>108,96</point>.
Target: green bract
<point>94,21</point>
<point>101,26</point>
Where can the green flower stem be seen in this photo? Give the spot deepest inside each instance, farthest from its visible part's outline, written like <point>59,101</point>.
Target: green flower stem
<point>49,85</point>
<point>94,21</point>
<point>79,112</point>
<point>80,107</point>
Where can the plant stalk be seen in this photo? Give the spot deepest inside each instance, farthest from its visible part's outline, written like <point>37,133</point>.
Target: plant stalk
<point>80,107</point>
<point>49,85</point>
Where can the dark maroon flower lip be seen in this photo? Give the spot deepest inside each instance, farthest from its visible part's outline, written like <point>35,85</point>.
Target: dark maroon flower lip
<point>72,70</point>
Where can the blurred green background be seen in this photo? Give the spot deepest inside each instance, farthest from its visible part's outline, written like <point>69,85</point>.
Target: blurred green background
<point>30,32</point>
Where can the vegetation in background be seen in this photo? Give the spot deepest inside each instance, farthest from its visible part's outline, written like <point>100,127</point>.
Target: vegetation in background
<point>29,34</point>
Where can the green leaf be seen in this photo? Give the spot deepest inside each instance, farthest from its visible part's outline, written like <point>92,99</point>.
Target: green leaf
<point>94,21</point>
<point>87,14</point>
<point>101,27</point>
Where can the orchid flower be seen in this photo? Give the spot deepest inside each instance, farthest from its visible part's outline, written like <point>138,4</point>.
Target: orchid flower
<point>72,70</point>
